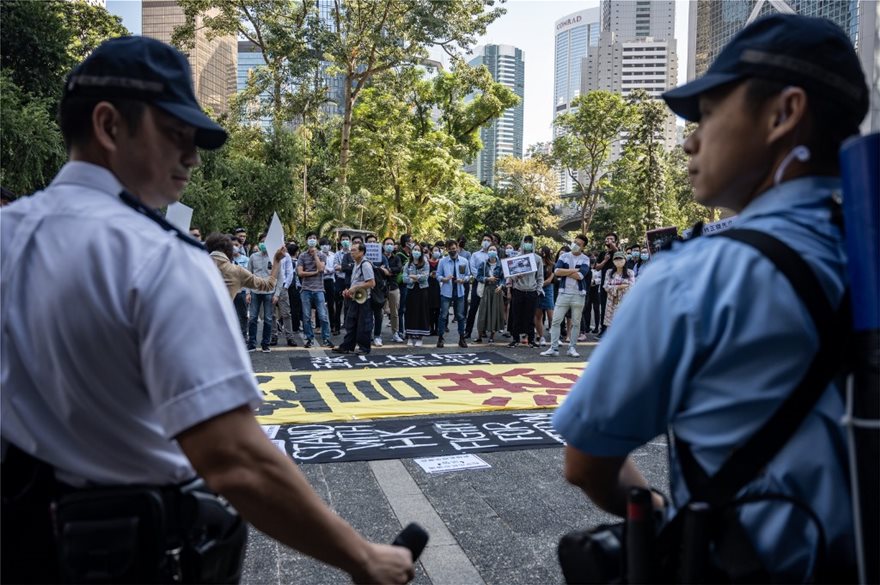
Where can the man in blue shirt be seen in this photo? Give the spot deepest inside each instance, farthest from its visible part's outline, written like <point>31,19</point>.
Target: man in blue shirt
<point>722,337</point>
<point>452,272</point>
<point>476,261</point>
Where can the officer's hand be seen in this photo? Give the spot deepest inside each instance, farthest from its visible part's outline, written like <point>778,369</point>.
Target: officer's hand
<point>386,564</point>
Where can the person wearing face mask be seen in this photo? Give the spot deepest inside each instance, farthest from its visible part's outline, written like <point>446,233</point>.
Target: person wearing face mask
<point>644,256</point>
<point>509,252</point>
<point>476,261</point>
<point>433,286</point>
<point>452,272</point>
<point>525,290</point>
<point>490,317</point>
<point>281,301</point>
<point>391,269</point>
<point>342,263</point>
<point>404,252</point>
<point>222,248</point>
<point>603,264</point>
<point>359,317</point>
<point>546,302</point>
<point>573,271</point>
<point>241,300</point>
<point>594,298</point>
<point>418,317</point>
<point>259,264</point>
<point>310,269</point>
<point>618,282</point>
<point>329,279</point>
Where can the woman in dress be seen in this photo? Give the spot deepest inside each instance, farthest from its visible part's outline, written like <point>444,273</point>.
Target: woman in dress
<point>416,280</point>
<point>433,287</point>
<point>490,316</point>
<point>618,281</point>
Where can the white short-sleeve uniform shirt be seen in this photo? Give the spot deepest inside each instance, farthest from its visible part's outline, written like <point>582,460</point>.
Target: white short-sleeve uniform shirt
<point>104,314</point>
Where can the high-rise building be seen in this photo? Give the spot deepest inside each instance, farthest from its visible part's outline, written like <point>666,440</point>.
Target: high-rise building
<point>638,19</point>
<point>213,62</point>
<point>627,58</point>
<point>504,136</point>
<point>576,34</point>
<point>249,58</point>
<point>713,24</point>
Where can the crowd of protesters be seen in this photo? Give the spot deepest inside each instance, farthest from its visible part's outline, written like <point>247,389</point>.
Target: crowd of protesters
<point>419,289</point>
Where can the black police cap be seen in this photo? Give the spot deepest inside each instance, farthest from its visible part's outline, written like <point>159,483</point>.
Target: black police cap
<point>812,53</point>
<point>142,68</point>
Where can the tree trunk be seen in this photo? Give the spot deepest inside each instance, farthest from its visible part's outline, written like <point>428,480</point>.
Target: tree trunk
<point>346,134</point>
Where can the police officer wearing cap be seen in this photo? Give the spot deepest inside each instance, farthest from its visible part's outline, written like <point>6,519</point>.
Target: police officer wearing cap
<point>110,411</point>
<point>726,335</point>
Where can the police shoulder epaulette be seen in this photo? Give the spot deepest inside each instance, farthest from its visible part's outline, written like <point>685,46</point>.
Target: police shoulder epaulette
<point>154,216</point>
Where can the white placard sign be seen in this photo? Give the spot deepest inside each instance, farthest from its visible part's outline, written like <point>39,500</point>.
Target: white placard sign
<point>180,216</point>
<point>275,236</point>
<point>271,430</point>
<point>451,463</point>
<point>518,265</point>
<point>374,252</point>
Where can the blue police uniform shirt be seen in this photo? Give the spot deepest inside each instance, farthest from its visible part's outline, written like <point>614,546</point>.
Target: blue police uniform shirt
<point>721,339</point>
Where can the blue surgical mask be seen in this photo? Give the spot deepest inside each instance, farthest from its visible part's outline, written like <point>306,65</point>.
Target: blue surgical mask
<point>575,248</point>
<point>493,255</point>
<point>389,248</point>
<point>436,255</point>
<point>416,254</point>
<point>510,252</point>
<point>312,242</point>
<point>485,244</point>
<point>644,256</point>
<point>346,244</point>
<point>527,247</point>
<point>262,247</point>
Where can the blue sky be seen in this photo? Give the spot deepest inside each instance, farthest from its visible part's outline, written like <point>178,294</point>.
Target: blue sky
<point>528,25</point>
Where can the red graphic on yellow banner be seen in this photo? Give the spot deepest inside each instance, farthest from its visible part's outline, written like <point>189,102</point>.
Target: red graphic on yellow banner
<point>323,396</point>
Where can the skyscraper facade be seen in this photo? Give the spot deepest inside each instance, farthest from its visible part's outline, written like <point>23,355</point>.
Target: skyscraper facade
<point>636,51</point>
<point>213,62</point>
<point>576,34</point>
<point>636,19</point>
<point>713,24</point>
<point>504,136</point>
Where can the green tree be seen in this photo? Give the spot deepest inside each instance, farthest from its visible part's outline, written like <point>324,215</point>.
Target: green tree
<point>411,165</point>
<point>584,143</point>
<point>368,37</point>
<point>528,187</point>
<point>31,151</point>
<point>40,44</point>
<point>283,31</point>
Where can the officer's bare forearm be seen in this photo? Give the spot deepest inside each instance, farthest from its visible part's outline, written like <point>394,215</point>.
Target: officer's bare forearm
<point>605,480</point>
<point>236,459</point>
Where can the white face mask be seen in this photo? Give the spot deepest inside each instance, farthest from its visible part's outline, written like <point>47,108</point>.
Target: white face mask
<point>575,248</point>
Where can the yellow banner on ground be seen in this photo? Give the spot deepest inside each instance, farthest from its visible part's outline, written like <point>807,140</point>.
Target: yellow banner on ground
<point>322,396</point>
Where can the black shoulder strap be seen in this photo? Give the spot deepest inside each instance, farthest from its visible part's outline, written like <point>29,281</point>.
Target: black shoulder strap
<point>135,204</point>
<point>746,461</point>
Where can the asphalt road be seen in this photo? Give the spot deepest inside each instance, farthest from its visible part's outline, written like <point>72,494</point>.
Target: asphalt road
<point>498,525</point>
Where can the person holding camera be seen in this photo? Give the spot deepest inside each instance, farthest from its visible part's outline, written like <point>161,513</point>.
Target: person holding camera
<point>732,341</point>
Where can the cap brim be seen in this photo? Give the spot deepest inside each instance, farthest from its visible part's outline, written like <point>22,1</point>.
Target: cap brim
<point>684,100</point>
<point>209,134</point>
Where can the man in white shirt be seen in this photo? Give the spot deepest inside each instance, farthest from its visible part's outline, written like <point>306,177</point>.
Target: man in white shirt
<point>573,272</point>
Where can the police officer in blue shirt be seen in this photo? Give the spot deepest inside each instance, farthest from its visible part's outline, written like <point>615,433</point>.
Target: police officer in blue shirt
<point>111,411</point>
<point>723,336</point>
